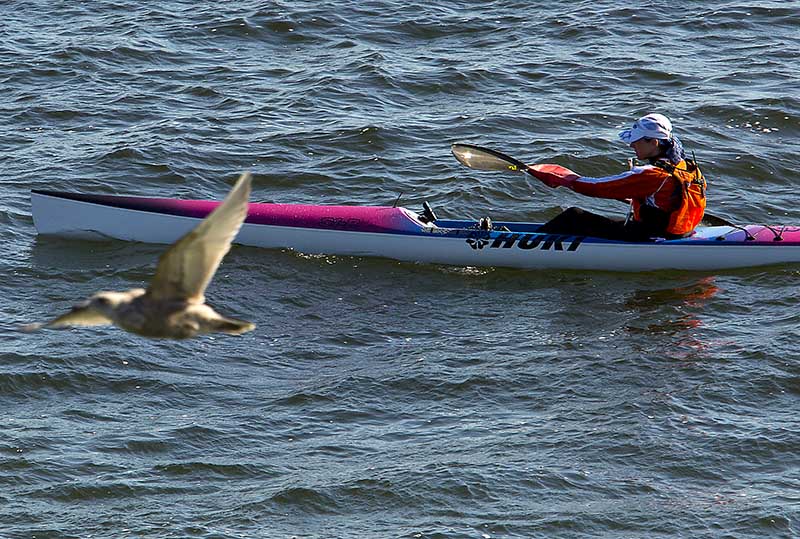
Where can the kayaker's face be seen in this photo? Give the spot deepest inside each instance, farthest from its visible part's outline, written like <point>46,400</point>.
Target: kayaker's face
<point>645,148</point>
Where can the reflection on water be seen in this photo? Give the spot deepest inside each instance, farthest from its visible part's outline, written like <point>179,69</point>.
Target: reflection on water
<point>673,312</point>
<point>72,254</point>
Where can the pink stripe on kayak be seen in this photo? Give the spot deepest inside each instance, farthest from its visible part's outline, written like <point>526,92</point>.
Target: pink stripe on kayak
<point>353,218</point>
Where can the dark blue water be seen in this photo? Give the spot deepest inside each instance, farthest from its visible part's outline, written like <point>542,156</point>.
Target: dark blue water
<point>377,398</point>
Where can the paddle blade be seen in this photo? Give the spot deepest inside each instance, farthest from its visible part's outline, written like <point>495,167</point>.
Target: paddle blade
<point>480,158</point>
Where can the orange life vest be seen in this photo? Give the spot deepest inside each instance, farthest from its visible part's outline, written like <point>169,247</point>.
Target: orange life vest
<point>691,204</point>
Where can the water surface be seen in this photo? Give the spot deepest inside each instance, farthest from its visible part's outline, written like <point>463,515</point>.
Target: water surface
<point>377,398</point>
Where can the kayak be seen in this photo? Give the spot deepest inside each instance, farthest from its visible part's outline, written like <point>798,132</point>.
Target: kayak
<point>402,234</point>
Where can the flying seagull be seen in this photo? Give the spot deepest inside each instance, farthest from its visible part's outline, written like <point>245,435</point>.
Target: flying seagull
<point>173,306</point>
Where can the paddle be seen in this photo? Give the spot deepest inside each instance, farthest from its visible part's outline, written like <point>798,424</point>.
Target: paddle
<point>480,158</point>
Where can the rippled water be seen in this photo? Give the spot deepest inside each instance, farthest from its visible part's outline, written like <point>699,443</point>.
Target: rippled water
<point>375,398</point>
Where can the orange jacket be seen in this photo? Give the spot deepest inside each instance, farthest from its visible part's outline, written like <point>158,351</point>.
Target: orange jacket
<point>678,190</point>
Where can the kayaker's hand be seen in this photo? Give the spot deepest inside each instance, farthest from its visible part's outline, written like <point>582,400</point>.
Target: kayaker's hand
<point>553,175</point>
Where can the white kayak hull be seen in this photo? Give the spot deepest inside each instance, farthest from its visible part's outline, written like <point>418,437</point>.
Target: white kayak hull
<point>452,242</point>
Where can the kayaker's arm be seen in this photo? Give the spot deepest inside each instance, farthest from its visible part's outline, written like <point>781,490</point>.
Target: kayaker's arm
<point>639,182</point>
<point>553,175</point>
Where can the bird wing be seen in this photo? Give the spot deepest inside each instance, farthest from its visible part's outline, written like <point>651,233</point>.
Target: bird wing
<point>80,315</point>
<point>187,267</point>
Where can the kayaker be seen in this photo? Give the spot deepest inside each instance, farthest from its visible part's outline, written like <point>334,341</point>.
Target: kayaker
<point>667,197</point>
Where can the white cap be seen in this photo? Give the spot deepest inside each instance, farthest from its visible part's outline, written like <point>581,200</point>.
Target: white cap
<point>650,126</point>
